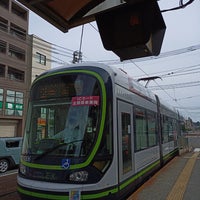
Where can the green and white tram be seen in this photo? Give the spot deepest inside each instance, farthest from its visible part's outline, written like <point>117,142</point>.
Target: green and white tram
<point>92,132</point>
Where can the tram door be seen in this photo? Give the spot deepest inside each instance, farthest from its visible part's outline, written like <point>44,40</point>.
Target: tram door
<point>126,142</point>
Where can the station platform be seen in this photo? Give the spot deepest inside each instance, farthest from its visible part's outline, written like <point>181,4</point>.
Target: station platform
<point>178,180</point>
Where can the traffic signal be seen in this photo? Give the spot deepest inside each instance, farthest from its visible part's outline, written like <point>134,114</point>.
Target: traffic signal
<point>133,30</point>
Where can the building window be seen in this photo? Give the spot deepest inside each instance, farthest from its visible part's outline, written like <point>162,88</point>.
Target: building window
<point>14,103</point>
<point>2,70</point>
<point>17,31</point>
<point>1,100</point>
<point>19,11</point>
<point>40,58</point>
<point>2,46</point>
<point>15,74</point>
<point>16,52</point>
<point>4,3</point>
<point>3,24</point>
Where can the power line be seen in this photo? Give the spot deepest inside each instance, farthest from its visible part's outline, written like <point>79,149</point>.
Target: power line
<point>177,85</point>
<point>164,90</point>
<point>181,6</point>
<point>150,58</point>
<point>190,97</point>
<point>42,48</point>
<point>60,61</point>
<point>190,108</point>
<point>96,29</point>
<point>159,86</point>
<point>184,69</point>
<point>193,69</point>
<point>56,49</point>
<point>8,30</point>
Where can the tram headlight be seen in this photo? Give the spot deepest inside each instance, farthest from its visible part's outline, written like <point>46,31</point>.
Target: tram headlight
<point>22,169</point>
<point>79,176</point>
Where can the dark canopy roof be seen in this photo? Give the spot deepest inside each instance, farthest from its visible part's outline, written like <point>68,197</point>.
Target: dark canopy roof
<point>129,28</point>
<point>66,14</point>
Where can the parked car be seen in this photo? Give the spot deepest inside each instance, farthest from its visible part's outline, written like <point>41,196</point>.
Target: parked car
<point>10,149</point>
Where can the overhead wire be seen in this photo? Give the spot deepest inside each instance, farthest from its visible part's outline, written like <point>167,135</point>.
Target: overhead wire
<point>96,29</point>
<point>181,6</point>
<point>177,85</point>
<point>193,69</point>
<point>153,80</point>
<point>52,49</point>
<point>164,90</point>
<point>189,97</point>
<point>57,60</point>
<point>150,58</point>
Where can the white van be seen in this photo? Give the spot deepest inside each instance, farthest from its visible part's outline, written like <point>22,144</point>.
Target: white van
<point>10,149</point>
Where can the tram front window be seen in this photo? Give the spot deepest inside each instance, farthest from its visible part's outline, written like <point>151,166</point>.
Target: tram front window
<point>64,117</point>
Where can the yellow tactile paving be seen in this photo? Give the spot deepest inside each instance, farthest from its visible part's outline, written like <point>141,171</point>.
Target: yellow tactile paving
<point>179,187</point>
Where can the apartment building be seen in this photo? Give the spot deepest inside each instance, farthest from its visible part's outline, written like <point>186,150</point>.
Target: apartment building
<point>14,67</point>
<point>22,58</point>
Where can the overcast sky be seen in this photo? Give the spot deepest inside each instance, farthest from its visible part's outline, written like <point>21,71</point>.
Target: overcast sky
<point>182,70</point>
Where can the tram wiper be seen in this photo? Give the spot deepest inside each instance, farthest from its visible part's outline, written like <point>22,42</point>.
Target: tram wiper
<point>49,151</point>
<point>56,147</point>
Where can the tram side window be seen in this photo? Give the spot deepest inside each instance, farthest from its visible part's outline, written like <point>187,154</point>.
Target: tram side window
<point>171,130</point>
<point>175,131</point>
<point>165,129</point>
<point>141,129</point>
<point>151,122</point>
<point>145,127</point>
<point>109,131</point>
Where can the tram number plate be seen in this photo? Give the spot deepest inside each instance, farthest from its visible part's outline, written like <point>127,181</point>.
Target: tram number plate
<point>74,195</point>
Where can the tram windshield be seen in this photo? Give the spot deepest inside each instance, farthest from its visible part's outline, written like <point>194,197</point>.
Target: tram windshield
<point>63,116</point>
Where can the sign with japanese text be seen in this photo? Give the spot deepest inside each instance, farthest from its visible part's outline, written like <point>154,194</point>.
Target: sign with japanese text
<point>85,101</point>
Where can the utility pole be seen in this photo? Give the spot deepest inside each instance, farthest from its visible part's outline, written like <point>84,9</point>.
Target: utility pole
<point>77,57</point>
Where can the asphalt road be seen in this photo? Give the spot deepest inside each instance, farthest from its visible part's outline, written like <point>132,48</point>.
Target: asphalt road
<point>8,186</point>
